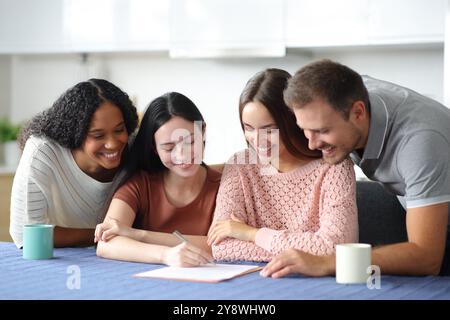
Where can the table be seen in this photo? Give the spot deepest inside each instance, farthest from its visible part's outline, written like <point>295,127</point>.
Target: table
<point>108,279</point>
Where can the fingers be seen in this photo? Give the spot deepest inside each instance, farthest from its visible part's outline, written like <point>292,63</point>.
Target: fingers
<point>108,234</point>
<point>211,228</point>
<point>188,262</point>
<point>195,258</point>
<point>215,238</point>
<point>212,235</point>
<point>219,238</point>
<point>236,218</point>
<point>272,267</point>
<point>283,272</point>
<point>290,261</point>
<point>187,255</point>
<point>104,231</point>
<point>95,234</point>
<point>98,232</point>
<point>219,232</point>
<point>203,253</point>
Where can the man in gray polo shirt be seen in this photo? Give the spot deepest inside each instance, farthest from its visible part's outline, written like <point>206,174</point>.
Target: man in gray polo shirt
<point>398,138</point>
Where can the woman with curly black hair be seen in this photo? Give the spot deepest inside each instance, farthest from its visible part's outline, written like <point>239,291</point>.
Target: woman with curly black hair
<point>71,162</point>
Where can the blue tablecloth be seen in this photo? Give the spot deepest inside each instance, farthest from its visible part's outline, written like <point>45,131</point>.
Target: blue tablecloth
<point>109,279</point>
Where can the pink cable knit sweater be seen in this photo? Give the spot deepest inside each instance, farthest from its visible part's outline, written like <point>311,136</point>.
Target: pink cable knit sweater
<point>311,208</point>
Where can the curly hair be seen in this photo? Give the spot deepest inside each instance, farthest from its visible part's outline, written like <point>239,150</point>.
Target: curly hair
<point>67,121</point>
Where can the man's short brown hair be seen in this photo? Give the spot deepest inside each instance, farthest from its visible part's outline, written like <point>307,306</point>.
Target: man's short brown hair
<point>337,84</point>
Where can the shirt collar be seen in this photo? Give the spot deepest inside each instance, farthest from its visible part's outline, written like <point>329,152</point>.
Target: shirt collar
<point>379,119</point>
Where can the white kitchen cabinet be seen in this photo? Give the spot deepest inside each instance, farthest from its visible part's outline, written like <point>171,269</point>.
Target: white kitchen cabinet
<point>58,26</point>
<point>328,23</point>
<point>211,28</point>
<point>318,23</point>
<point>116,25</point>
<point>406,21</point>
<point>30,26</point>
<point>202,28</point>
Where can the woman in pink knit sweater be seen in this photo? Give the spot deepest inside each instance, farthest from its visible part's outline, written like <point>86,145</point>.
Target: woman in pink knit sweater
<point>278,194</point>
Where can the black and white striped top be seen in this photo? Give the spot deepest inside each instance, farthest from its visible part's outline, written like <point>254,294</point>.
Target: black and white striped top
<point>50,188</point>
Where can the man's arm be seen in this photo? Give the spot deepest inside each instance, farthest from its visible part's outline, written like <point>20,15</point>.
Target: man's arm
<point>424,251</point>
<point>421,255</point>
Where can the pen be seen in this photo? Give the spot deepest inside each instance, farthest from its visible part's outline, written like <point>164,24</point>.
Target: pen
<point>177,234</point>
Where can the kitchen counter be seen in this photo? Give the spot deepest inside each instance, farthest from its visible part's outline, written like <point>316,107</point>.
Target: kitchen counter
<point>6,180</point>
<point>5,171</point>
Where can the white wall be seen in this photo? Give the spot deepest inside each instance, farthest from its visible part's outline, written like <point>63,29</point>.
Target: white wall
<point>214,85</point>
<point>38,80</point>
<point>447,57</point>
<point>418,68</point>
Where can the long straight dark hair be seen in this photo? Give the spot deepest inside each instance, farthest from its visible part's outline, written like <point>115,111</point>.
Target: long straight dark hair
<point>267,88</point>
<point>143,155</point>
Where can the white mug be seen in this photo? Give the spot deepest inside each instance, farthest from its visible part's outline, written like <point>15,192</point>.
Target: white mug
<point>352,261</point>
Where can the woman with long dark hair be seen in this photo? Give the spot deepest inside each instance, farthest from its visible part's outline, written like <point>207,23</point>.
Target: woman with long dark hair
<point>170,189</point>
<point>71,162</point>
<point>278,194</point>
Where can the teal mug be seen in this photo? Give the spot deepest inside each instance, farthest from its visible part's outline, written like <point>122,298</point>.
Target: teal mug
<point>38,241</point>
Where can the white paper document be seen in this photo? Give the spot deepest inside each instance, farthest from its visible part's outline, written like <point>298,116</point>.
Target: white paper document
<point>205,273</point>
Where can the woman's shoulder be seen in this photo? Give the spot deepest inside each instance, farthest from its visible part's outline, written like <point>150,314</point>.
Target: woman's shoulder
<point>36,144</point>
<point>241,157</point>
<point>340,170</point>
<point>141,177</point>
<point>244,163</point>
<point>245,159</point>
<point>345,165</point>
<point>43,159</point>
<point>43,150</point>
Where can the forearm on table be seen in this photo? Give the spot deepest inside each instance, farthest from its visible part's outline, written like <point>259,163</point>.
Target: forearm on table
<point>168,239</point>
<point>277,241</point>
<point>405,258</point>
<point>73,237</point>
<point>127,249</point>
<point>235,249</point>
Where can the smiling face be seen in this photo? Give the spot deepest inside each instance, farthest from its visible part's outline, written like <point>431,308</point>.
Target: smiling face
<point>179,144</point>
<point>105,141</point>
<point>261,131</point>
<point>328,131</point>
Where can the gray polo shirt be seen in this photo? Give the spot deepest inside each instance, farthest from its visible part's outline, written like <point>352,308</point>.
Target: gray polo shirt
<point>408,147</point>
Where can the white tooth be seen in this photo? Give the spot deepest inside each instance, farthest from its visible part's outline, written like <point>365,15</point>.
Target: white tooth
<point>111,155</point>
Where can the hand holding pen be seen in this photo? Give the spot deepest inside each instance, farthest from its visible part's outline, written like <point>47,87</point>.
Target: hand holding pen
<point>185,254</point>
